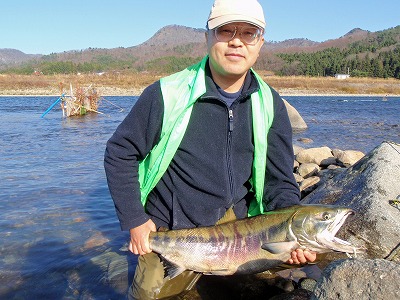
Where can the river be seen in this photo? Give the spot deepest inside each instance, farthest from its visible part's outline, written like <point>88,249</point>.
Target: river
<point>59,234</point>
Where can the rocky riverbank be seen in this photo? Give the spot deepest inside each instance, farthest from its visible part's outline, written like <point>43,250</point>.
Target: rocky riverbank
<point>315,164</point>
<point>369,184</point>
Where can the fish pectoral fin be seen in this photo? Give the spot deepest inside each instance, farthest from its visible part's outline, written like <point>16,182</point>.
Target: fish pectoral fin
<point>172,270</point>
<point>280,247</point>
<point>228,217</point>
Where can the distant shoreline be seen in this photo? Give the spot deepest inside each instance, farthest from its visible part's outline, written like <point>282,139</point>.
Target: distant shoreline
<point>133,85</point>
<point>283,95</point>
<point>115,92</point>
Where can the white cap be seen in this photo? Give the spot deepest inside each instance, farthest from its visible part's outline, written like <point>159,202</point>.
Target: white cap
<point>229,11</point>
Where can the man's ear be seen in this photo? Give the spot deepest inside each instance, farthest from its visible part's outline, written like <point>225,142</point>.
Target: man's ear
<point>262,41</point>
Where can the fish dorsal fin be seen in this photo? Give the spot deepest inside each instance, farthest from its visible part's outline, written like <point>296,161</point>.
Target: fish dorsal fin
<point>280,247</point>
<point>228,217</point>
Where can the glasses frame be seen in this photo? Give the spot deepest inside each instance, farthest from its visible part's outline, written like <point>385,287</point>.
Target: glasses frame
<point>256,39</point>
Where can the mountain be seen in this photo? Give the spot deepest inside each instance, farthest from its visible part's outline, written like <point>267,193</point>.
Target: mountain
<point>174,47</point>
<point>175,35</point>
<point>291,45</point>
<point>13,56</point>
<point>171,40</point>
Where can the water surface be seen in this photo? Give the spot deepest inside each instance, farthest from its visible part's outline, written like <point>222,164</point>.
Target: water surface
<point>59,234</point>
<point>357,123</point>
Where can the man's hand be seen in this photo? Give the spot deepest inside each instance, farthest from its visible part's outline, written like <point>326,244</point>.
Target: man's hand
<point>300,256</point>
<point>139,243</point>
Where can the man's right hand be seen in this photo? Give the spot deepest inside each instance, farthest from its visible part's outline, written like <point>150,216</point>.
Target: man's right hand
<point>139,243</point>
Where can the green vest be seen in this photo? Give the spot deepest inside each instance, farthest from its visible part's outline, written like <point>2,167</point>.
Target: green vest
<point>180,91</point>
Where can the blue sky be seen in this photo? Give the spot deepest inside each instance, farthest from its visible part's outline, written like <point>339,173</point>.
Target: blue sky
<point>46,26</point>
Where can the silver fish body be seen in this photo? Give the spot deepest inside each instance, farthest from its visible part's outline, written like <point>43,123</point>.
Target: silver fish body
<point>253,245</point>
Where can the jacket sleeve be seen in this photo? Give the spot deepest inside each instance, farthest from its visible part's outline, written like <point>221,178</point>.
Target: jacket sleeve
<point>130,143</point>
<point>281,189</point>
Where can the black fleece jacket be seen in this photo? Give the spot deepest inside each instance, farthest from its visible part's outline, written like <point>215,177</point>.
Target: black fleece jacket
<point>211,169</point>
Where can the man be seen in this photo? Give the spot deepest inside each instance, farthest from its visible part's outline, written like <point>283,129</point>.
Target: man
<point>231,144</point>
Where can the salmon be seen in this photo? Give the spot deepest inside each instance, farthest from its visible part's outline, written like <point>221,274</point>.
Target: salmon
<point>252,245</point>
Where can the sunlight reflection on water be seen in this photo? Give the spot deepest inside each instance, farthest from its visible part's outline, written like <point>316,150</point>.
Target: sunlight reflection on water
<point>59,234</point>
<point>60,220</point>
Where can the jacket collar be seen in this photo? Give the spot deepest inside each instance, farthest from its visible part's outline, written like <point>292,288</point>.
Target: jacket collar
<point>250,85</point>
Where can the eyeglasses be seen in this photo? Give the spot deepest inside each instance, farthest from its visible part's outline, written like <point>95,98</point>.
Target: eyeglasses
<point>249,35</point>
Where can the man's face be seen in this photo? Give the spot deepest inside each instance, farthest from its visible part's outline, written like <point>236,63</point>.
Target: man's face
<point>232,59</point>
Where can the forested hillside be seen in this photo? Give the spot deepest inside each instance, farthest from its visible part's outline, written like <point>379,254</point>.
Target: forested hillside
<point>359,53</point>
<point>377,55</point>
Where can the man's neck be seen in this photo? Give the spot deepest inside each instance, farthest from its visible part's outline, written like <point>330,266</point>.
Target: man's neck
<point>230,84</point>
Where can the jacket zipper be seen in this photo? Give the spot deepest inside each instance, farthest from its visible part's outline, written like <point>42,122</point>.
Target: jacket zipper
<point>230,120</point>
<point>229,157</point>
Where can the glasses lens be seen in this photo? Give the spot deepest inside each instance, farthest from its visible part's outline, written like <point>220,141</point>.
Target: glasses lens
<point>248,35</point>
<point>225,33</point>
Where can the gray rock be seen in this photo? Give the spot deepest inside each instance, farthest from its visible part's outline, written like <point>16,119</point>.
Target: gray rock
<point>359,279</point>
<point>297,149</point>
<point>348,157</point>
<point>307,284</point>
<point>305,140</point>
<point>333,167</point>
<point>308,183</point>
<point>295,118</point>
<point>320,156</point>
<point>368,187</point>
<point>308,170</point>
<point>298,294</point>
<point>298,178</point>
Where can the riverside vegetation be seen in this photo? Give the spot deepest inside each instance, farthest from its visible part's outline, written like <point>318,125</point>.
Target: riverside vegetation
<point>128,84</point>
<point>372,59</point>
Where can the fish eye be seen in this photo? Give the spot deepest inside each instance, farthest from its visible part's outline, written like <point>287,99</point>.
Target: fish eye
<point>326,216</point>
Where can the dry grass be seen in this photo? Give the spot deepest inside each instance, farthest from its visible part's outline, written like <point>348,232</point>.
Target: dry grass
<point>330,85</point>
<point>133,84</point>
<point>107,84</point>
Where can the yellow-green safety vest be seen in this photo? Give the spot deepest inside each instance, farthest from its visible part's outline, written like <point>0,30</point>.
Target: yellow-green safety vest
<point>180,91</point>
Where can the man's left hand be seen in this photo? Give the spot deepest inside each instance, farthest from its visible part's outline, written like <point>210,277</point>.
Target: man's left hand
<point>300,256</point>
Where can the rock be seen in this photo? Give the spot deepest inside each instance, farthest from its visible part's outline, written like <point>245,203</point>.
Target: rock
<point>296,120</point>
<point>96,240</point>
<point>115,268</point>
<point>347,157</point>
<point>309,183</point>
<point>298,294</point>
<point>307,284</point>
<point>333,167</point>
<point>321,156</point>
<point>298,178</point>
<point>359,279</point>
<point>297,149</point>
<point>329,173</point>
<point>305,140</point>
<point>308,169</point>
<point>367,187</point>
<point>242,287</point>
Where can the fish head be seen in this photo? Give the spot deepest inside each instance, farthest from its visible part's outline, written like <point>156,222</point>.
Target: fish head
<point>315,227</point>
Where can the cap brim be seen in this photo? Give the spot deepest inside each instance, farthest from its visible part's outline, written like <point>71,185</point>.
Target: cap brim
<point>222,20</point>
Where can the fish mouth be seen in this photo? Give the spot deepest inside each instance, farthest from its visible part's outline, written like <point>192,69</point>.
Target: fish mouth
<point>327,238</point>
